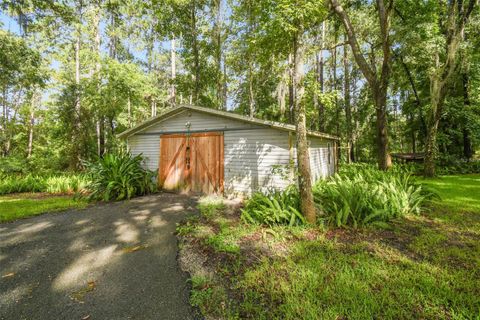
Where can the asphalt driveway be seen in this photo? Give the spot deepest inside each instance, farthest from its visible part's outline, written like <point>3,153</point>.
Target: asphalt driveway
<point>111,261</point>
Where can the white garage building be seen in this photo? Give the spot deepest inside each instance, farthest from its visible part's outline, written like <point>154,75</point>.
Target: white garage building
<point>210,151</point>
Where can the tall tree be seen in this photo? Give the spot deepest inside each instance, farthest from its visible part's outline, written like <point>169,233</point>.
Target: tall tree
<point>445,64</point>
<point>319,69</point>
<point>378,80</point>
<point>347,105</point>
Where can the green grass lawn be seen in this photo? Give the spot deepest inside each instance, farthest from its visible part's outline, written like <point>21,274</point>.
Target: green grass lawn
<point>17,206</point>
<point>420,267</point>
<point>459,193</point>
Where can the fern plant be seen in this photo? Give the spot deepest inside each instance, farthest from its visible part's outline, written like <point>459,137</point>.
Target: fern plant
<point>274,208</point>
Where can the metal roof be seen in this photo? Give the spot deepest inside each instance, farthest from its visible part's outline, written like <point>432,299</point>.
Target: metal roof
<point>229,115</point>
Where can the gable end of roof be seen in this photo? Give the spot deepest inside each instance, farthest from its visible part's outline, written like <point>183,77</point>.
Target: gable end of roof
<point>229,115</point>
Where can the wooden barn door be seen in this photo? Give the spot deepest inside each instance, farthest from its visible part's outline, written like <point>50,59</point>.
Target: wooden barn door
<point>192,162</point>
<point>172,169</point>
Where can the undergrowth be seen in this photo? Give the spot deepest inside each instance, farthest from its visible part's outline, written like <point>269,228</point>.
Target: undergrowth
<point>356,196</point>
<point>54,183</point>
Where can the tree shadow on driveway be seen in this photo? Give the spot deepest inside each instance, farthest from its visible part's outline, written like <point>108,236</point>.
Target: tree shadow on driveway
<point>111,261</point>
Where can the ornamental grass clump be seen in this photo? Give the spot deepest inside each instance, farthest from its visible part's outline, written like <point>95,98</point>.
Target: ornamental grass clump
<point>364,195</point>
<point>119,176</point>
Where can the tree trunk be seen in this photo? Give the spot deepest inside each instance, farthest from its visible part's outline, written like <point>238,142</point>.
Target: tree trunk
<point>4,119</point>
<point>76,156</point>
<point>304,175</point>
<point>99,113</point>
<point>129,111</point>
<point>218,52</point>
<point>100,137</point>
<point>225,88</point>
<point>113,36</point>
<point>31,124</point>
<point>378,84</point>
<point>458,16</point>
<point>430,150</point>
<point>412,133</point>
<point>291,89</point>
<point>467,141</point>
<point>250,60</point>
<point>437,91</point>
<point>251,96</point>
<point>348,109</point>
<point>334,83</point>
<point>173,70</point>
<point>196,58</point>
<point>154,107</point>
<point>384,159</point>
<point>319,69</point>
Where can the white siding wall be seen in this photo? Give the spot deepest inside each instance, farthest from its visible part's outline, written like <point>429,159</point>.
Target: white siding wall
<point>321,158</point>
<point>149,146</point>
<point>256,158</point>
<point>250,159</point>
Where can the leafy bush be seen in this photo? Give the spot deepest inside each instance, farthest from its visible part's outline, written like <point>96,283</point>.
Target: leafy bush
<point>119,176</point>
<point>361,195</point>
<point>56,184</point>
<point>274,208</point>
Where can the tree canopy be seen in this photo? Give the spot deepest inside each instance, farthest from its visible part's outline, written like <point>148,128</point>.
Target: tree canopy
<point>385,76</point>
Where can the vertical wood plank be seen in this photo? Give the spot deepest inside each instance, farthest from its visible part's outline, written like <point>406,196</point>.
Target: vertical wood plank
<point>221,164</point>
<point>206,172</point>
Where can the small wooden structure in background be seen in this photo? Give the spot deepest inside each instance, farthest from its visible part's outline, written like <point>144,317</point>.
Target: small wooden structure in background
<point>409,157</point>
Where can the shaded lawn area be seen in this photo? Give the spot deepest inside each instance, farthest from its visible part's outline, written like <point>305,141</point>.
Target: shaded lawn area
<point>424,266</point>
<point>23,205</point>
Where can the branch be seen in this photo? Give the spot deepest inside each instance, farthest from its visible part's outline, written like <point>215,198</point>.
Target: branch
<point>384,15</point>
<point>367,71</point>
<point>340,44</point>
<point>409,76</point>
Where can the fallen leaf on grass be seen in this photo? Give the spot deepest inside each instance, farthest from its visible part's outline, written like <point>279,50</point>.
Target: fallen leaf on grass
<point>135,248</point>
<point>86,317</point>
<point>80,294</point>
<point>11,274</point>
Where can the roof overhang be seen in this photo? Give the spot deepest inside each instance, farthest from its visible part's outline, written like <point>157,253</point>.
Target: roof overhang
<point>224,114</point>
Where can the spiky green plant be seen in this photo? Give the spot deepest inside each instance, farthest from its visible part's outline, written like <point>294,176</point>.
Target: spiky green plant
<point>274,208</point>
<point>363,195</point>
<point>119,176</point>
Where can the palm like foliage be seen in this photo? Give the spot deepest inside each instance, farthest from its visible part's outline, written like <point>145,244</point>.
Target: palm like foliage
<point>364,195</point>
<point>274,208</point>
<point>119,176</point>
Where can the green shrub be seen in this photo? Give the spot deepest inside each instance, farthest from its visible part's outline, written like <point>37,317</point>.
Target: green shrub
<point>274,208</point>
<point>55,184</point>
<point>119,176</point>
<point>361,195</point>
